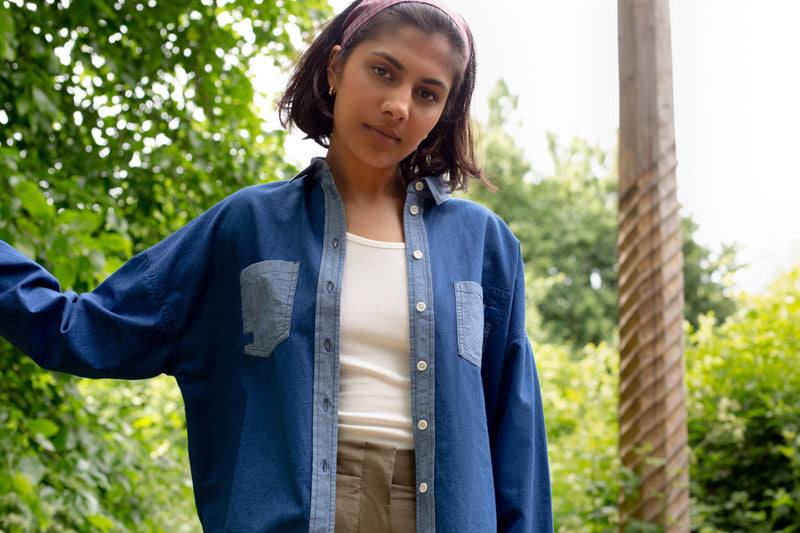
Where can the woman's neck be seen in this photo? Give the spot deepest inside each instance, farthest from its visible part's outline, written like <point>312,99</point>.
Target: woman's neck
<point>356,179</point>
<point>373,199</point>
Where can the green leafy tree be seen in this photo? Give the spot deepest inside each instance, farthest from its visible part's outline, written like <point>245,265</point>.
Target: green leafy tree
<point>707,277</point>
<point>119,122</point>
<point>576,207</point>
<point>567,225</point>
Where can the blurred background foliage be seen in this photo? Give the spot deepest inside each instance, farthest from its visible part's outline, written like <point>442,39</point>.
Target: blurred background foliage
<point>120,121</point>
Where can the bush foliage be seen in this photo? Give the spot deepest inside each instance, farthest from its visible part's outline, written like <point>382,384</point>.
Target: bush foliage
<point>743,399</point>
<point>744,407</point>
<point>580,405</point>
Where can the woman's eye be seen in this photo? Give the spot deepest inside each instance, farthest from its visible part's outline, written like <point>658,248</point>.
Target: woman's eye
<point>382,72</point>
<point>428,95</point>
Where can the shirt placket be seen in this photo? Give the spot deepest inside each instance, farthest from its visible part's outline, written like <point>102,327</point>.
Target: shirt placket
<point>326,362</point>
<point>420,293</point>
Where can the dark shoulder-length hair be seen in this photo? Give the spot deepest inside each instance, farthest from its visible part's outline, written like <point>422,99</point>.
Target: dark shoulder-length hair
<point>448,148</point>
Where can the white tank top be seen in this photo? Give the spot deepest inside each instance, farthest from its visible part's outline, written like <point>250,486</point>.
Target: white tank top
<point>374,380</point>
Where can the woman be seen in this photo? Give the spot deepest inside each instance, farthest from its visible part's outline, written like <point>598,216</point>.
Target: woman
<point>389,388</point>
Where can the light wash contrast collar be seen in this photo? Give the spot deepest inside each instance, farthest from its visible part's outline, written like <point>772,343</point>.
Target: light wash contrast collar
<point>439,188</point>
<point>437,185</point>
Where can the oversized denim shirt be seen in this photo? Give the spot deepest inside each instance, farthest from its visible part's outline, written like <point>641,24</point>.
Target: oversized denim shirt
<point>241,306</point>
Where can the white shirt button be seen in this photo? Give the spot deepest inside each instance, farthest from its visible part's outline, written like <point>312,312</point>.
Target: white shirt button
<point>417,254</point>
<point>423,488</point>
<point>421,306</point>
<point>413,210</point>
<point>422,366</point>
<point>422,425</point>
<point>419,185</point>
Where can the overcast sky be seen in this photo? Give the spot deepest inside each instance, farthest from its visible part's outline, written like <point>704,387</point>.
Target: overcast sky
<point>737,105</point>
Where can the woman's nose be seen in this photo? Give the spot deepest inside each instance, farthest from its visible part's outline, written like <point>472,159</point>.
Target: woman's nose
<point>396,106</point>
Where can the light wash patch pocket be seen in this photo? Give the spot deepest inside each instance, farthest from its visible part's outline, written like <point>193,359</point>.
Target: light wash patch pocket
<point>267,296</point>
<point>469,320</point>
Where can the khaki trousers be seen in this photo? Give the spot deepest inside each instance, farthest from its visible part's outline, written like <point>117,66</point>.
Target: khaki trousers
<point>375,489</point>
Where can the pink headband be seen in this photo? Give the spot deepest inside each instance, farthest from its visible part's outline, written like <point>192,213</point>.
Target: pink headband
<point>369,8</point>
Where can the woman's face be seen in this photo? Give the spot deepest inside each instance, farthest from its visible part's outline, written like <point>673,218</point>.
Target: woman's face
<point>390,93</point>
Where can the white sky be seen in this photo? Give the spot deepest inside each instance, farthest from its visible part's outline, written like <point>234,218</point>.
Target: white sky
<point>737,105</point>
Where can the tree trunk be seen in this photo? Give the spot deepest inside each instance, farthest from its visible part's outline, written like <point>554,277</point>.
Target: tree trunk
<point>652,410</point>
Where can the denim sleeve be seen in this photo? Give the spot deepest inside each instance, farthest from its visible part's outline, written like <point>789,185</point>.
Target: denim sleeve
<point>519,444</point>
<point>115,331</point>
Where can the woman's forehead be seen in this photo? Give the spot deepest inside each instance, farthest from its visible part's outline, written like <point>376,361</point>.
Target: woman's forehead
<point>408,46</point>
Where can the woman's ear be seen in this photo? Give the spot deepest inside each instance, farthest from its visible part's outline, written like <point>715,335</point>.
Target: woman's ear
<point>334,67</point>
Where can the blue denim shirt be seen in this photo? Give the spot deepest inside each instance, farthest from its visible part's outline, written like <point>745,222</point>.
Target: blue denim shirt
<point>242,307</point>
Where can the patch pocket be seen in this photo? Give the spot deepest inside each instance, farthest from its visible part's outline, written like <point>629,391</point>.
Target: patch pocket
<point>469,320</point>
<point>267,296</point>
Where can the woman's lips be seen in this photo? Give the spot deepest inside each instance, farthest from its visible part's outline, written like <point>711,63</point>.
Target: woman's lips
<point>385,134</point>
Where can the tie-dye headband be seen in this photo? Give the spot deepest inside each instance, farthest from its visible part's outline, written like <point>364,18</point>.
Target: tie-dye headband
<point>369,8</point>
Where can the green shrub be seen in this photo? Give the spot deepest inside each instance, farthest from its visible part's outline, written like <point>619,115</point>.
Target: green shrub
<point>90,456</point>
<point>744,415</point>
<point>580,404</point>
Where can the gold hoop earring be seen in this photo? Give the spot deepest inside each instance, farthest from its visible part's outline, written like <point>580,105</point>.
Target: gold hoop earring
<point>331,91</point>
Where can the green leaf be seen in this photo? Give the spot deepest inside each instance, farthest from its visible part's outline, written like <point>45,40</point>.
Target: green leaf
<point>22,484</point>
<point>97,259</point>
<point>114,242</point>
<point>26,247</point>
<point>6,482</point>
<point>145,421</point>
<point>31,468</point>
<point>83,221</point>
<point>100,522</point>
<point>33,201</point>
<point>8,42</point>
<point>65,271</point>
<point>43,426</point>
<point>44,442</point>
<point>104,8</point>
<point>6,20</point>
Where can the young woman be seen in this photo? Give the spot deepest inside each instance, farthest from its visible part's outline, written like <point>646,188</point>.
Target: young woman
<point>350,344</point>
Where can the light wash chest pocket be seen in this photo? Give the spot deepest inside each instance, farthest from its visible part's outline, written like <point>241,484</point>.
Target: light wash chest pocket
<point>267,296</point>
<point>469,320</point>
